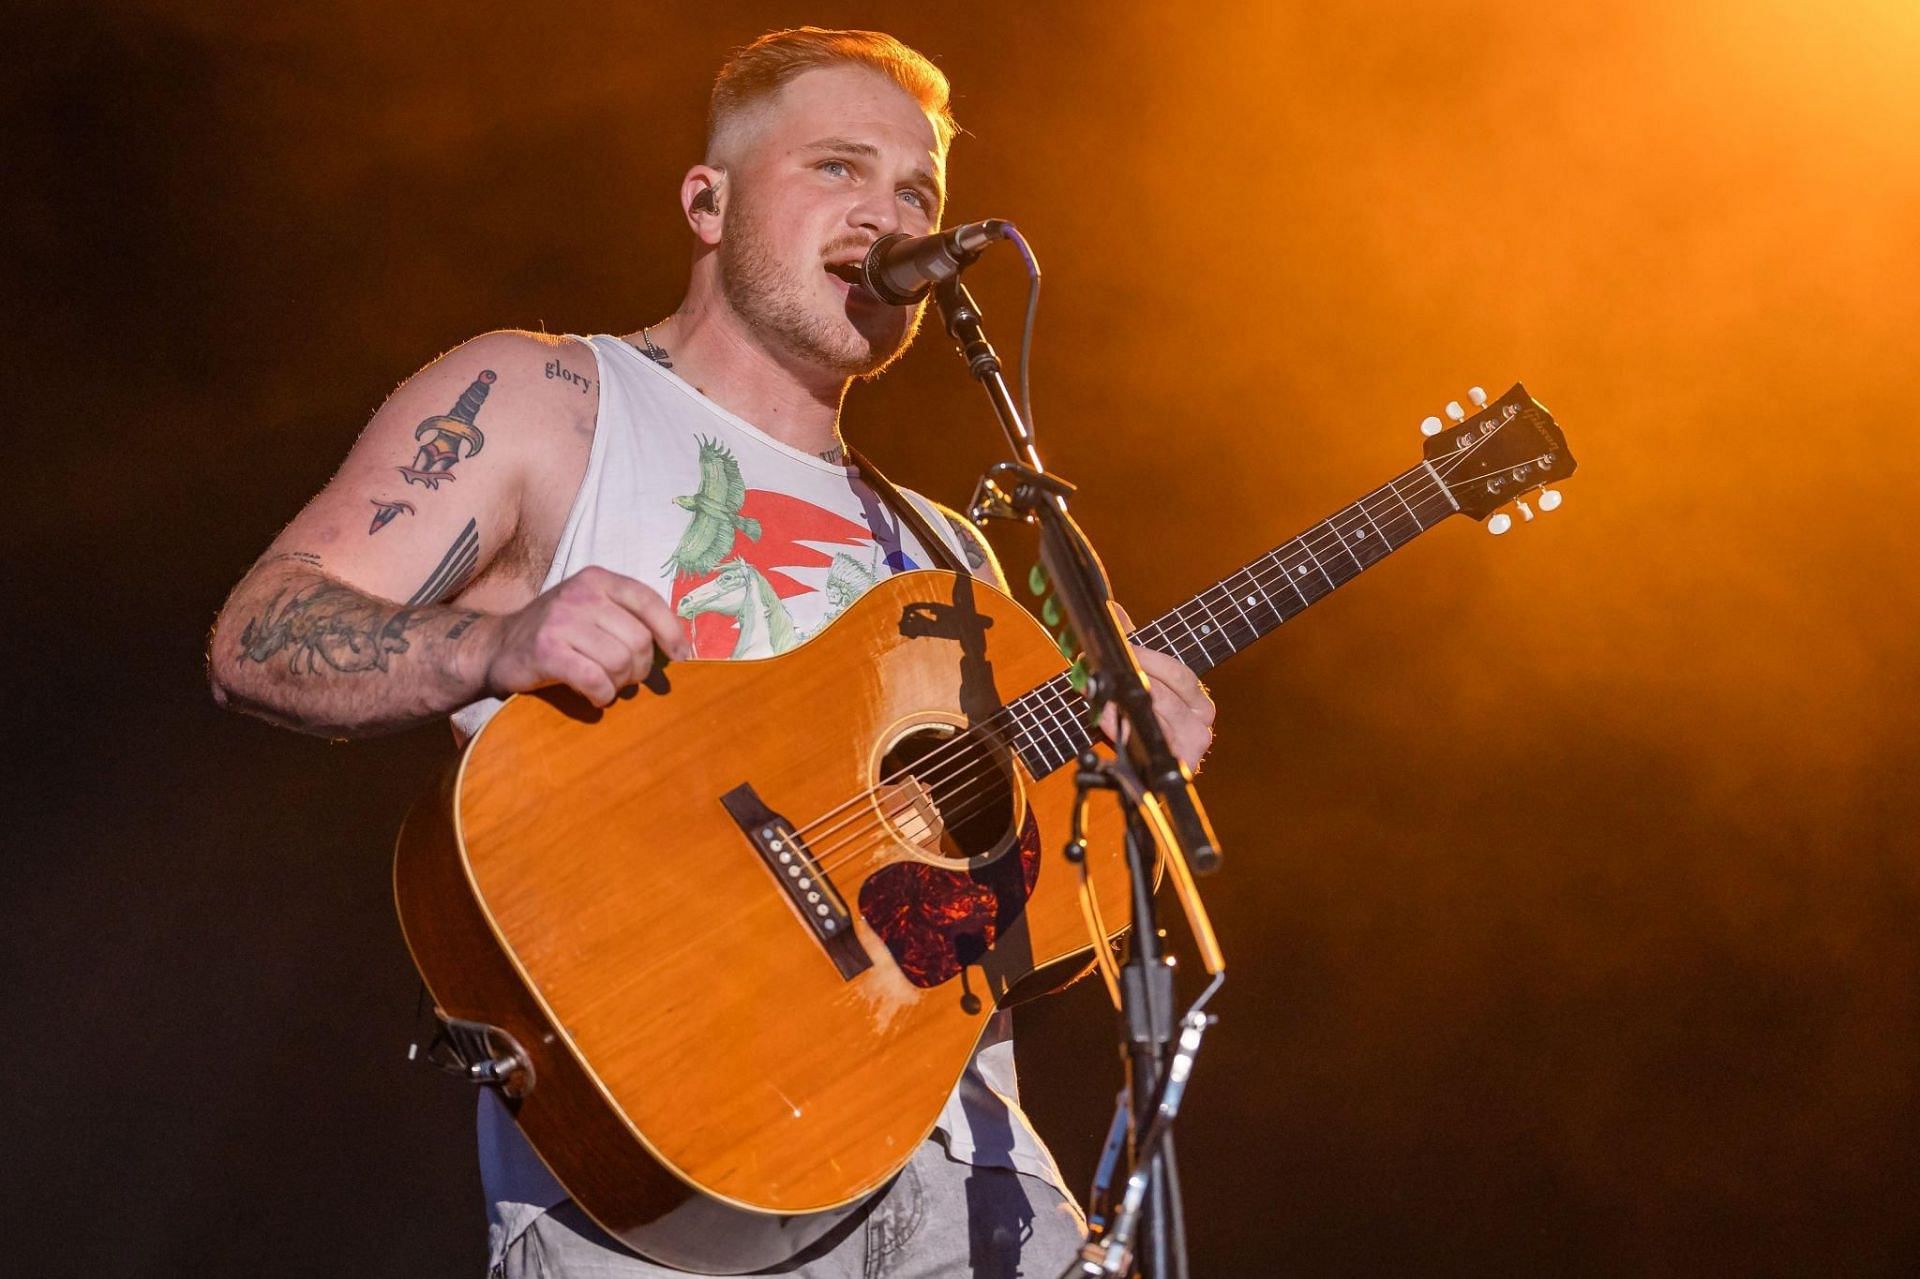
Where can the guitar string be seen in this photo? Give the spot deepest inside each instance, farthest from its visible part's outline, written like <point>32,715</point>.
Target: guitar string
<point>1321,538</point>
<point>977,769</point>
<point>965,752</point>
<point>1318,539</point>
<point>970,784</point>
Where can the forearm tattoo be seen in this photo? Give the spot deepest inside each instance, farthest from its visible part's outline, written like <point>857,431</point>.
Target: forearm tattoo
<point>327,626</point>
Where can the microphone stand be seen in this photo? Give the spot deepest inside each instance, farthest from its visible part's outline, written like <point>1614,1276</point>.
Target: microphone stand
<point>1145,1234</point>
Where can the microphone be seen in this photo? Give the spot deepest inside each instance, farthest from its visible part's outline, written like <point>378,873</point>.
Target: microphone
<point>899,269</point>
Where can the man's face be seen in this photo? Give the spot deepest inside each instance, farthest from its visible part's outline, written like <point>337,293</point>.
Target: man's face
<point>840,158</point>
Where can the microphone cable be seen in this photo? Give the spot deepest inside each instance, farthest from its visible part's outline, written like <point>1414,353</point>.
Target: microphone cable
<point>1012,232</point>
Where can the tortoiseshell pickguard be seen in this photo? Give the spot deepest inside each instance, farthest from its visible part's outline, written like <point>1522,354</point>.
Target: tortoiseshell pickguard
<point>936,921</point>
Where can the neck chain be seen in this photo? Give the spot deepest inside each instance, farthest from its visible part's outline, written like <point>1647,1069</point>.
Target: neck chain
<point>657,354</point>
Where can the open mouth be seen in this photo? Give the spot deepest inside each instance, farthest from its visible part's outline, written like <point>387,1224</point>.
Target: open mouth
<point>849,273</point>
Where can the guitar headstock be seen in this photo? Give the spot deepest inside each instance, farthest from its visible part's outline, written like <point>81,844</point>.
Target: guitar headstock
<point>1504,452</point>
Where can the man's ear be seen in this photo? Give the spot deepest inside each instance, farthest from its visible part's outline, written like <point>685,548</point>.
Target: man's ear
<point>703,201</point>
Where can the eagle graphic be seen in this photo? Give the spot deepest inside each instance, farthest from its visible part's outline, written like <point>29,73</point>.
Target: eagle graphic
<point>716,514</point>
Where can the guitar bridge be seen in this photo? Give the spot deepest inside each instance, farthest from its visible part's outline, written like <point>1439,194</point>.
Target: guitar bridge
<point>794,869</point>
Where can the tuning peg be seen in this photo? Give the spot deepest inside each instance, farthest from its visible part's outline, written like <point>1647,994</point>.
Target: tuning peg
<point>1455,412</point>
<point>1478,397</point>
<point>1499,524</point>
<point>1526,512</point>
<point>1432,426</point>
<point>1550,499</point>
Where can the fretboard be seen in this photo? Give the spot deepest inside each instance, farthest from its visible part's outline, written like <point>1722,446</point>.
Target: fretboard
<point>1247,604</point>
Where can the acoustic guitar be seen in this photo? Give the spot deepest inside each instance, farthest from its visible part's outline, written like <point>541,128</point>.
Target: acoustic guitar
<point>733,939</point>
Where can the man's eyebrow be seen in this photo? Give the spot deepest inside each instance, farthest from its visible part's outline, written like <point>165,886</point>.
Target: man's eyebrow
<point>844,146</point>
<point>866,150</point>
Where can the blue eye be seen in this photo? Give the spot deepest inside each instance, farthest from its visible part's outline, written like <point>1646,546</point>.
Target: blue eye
<point>839,167</point>
<point>919,201</point>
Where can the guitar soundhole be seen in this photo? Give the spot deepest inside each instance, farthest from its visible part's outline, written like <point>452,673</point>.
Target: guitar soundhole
<point>948,793</point>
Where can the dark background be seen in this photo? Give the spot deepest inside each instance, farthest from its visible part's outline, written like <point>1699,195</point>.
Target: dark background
<point>1571,887</point>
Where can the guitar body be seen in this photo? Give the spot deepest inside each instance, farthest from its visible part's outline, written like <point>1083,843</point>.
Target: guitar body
<point>710,1082</point>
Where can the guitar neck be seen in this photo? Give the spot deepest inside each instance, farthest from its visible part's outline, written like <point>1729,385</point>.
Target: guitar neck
<point>1247,604</point>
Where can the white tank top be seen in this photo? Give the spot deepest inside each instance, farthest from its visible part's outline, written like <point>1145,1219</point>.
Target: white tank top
<point>756,545</point>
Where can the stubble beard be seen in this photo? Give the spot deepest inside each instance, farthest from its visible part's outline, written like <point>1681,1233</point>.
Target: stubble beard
<point>771,298</point>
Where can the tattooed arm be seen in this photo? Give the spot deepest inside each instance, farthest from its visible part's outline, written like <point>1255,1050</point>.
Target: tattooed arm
<point>407,587</point>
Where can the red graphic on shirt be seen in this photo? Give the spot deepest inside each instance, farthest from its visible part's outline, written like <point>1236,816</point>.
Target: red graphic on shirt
<point>794,534</point>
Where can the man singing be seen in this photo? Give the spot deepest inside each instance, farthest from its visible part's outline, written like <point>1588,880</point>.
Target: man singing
<point>530,511</point>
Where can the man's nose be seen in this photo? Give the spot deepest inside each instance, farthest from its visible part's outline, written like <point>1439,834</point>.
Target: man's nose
<point>877,211</point>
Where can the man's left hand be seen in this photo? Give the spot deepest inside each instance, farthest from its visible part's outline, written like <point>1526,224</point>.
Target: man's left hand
<point>1180,703</point>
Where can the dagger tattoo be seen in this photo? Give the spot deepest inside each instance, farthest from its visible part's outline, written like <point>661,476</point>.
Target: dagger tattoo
<point>441,437</point>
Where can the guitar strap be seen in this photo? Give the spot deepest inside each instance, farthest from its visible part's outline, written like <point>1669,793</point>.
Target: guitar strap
<point>909,513</point>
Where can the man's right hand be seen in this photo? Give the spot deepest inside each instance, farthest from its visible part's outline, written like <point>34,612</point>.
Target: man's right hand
<point>597,633</point>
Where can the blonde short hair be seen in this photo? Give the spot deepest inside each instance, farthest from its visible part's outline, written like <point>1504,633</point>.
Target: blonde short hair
<point>756,72</point>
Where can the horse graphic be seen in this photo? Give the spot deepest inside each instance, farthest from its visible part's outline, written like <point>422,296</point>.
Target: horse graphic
<point>741,592</point>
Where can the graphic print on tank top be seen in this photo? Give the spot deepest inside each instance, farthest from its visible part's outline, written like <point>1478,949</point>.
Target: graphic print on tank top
<point>755,572</point>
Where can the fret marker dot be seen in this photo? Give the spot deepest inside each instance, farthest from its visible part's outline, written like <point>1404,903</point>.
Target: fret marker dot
<point>1206,628</point>
<point>1301,571</point>
<point>1249,599</point>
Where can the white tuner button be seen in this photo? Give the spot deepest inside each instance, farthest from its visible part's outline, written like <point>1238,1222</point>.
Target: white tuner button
<point>1455,412</point>
<point>1499,524</point>
<point>1550,500</point>
<point>1526,512</point>
<point>1431,426</point>
<point>1478,396</point>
